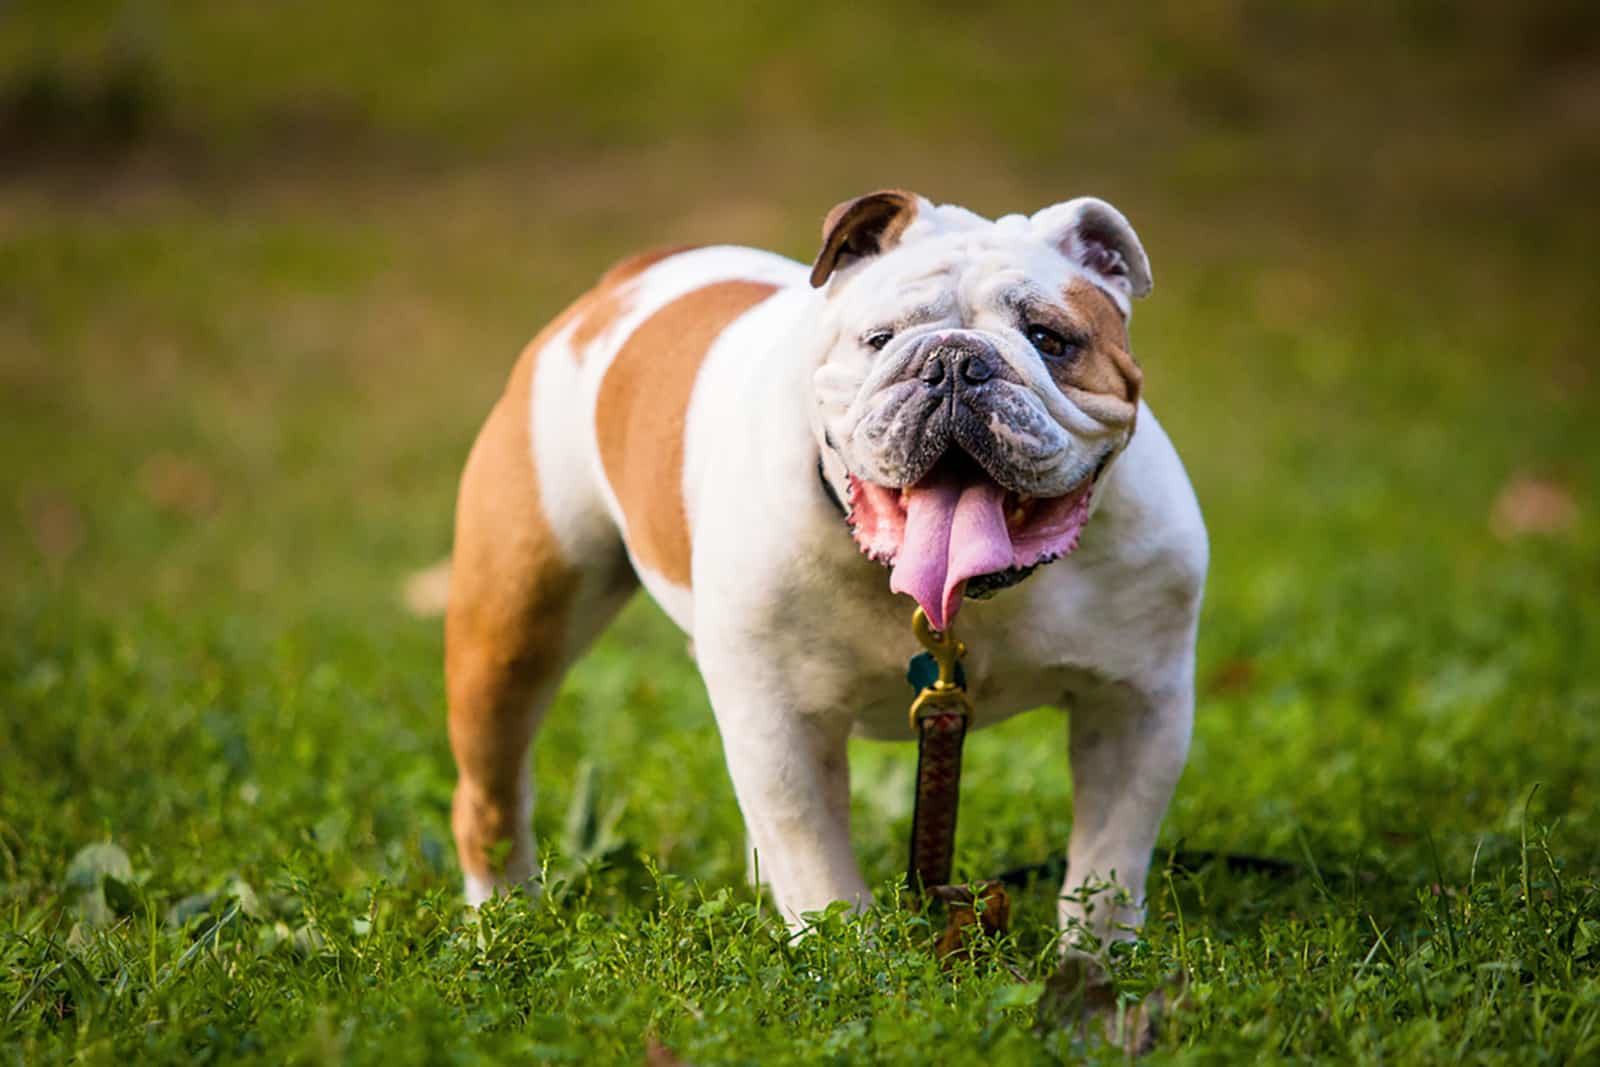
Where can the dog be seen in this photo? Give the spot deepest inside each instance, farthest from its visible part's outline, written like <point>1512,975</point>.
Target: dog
<point>941,411</point>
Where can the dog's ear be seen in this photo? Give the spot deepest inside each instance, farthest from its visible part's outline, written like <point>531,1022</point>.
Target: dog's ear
<point>865,226</point>
<point>1097,237</point>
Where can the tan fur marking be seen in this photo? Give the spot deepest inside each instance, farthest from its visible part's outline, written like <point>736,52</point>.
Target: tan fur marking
<point>1104,369</point>
<point>510,591</point>
<point>640,412</point>
<point>599,309</point>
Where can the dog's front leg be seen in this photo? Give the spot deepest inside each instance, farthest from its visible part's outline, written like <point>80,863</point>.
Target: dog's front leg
<point>792,778</point>
<point>1128,747</point>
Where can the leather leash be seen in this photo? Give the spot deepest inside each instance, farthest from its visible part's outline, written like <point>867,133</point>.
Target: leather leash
<point>939,716</point>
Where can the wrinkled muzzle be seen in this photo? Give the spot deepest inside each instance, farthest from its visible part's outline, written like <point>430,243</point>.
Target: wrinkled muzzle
<point>961,473</point>
<point>957,387</point>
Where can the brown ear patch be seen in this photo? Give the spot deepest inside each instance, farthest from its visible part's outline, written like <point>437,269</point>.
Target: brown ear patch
<point>1104,369</point>
<point>639,417</point>
<point>862,227</point>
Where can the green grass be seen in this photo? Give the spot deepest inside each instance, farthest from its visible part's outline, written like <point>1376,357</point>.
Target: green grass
<point>242,358</point>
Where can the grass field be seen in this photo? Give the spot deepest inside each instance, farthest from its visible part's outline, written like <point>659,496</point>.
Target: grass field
<point>264,267</point>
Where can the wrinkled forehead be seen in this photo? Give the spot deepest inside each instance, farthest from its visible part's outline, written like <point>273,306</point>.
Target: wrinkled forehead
<point>963,264</point>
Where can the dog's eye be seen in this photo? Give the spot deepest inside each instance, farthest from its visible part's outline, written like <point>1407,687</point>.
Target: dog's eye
<point>878,338</point>
<point>1048,342</point>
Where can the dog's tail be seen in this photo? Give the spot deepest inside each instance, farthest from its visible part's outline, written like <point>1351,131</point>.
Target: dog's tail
<point>426,592</point>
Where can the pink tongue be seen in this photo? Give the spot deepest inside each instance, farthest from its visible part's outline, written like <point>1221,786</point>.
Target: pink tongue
<point>953,532</point>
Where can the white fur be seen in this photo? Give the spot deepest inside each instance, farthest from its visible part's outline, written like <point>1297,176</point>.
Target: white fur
<point>797,636</point>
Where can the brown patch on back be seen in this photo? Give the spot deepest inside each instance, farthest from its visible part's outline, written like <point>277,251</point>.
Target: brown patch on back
<point>598,310</point>
<point>640,412</point>
<point>1104,368</point>
<point>589,316</point>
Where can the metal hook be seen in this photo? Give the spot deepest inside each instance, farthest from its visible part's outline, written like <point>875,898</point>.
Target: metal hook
<point>946,651</point>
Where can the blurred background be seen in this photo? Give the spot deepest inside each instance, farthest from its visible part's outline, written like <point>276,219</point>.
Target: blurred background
<point>264,268</point>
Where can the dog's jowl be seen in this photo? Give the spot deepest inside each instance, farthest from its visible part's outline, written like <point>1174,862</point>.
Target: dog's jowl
<point>943,411</point>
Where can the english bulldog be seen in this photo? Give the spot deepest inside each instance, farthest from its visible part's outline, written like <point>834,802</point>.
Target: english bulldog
<point>943,411</point>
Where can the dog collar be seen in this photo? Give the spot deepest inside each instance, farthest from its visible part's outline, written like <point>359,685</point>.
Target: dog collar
<point>829,486</point>
<point>828,490</point>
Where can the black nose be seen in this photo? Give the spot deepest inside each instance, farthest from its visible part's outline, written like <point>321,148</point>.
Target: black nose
<point>964,365</point>
<point>975,370</point>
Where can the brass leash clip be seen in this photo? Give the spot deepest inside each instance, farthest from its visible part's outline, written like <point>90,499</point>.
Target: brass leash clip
<point>944,693</point>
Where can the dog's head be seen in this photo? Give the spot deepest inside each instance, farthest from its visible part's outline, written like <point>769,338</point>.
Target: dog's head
<point>975,382</point>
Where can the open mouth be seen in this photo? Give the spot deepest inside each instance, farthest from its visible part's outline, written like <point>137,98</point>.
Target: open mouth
<point>958,526</point>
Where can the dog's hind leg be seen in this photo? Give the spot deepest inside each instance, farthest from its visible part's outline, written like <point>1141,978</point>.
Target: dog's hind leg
<point>530,586</point>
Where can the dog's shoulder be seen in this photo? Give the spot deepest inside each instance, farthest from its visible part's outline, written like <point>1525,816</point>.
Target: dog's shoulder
<point>1154,518</point>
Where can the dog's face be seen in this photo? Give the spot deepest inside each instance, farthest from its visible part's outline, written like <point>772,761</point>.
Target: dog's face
<point>975,381</point>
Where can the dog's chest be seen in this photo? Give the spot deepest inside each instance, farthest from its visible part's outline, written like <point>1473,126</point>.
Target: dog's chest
<point>998,691</point>
<point>848,655</point>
